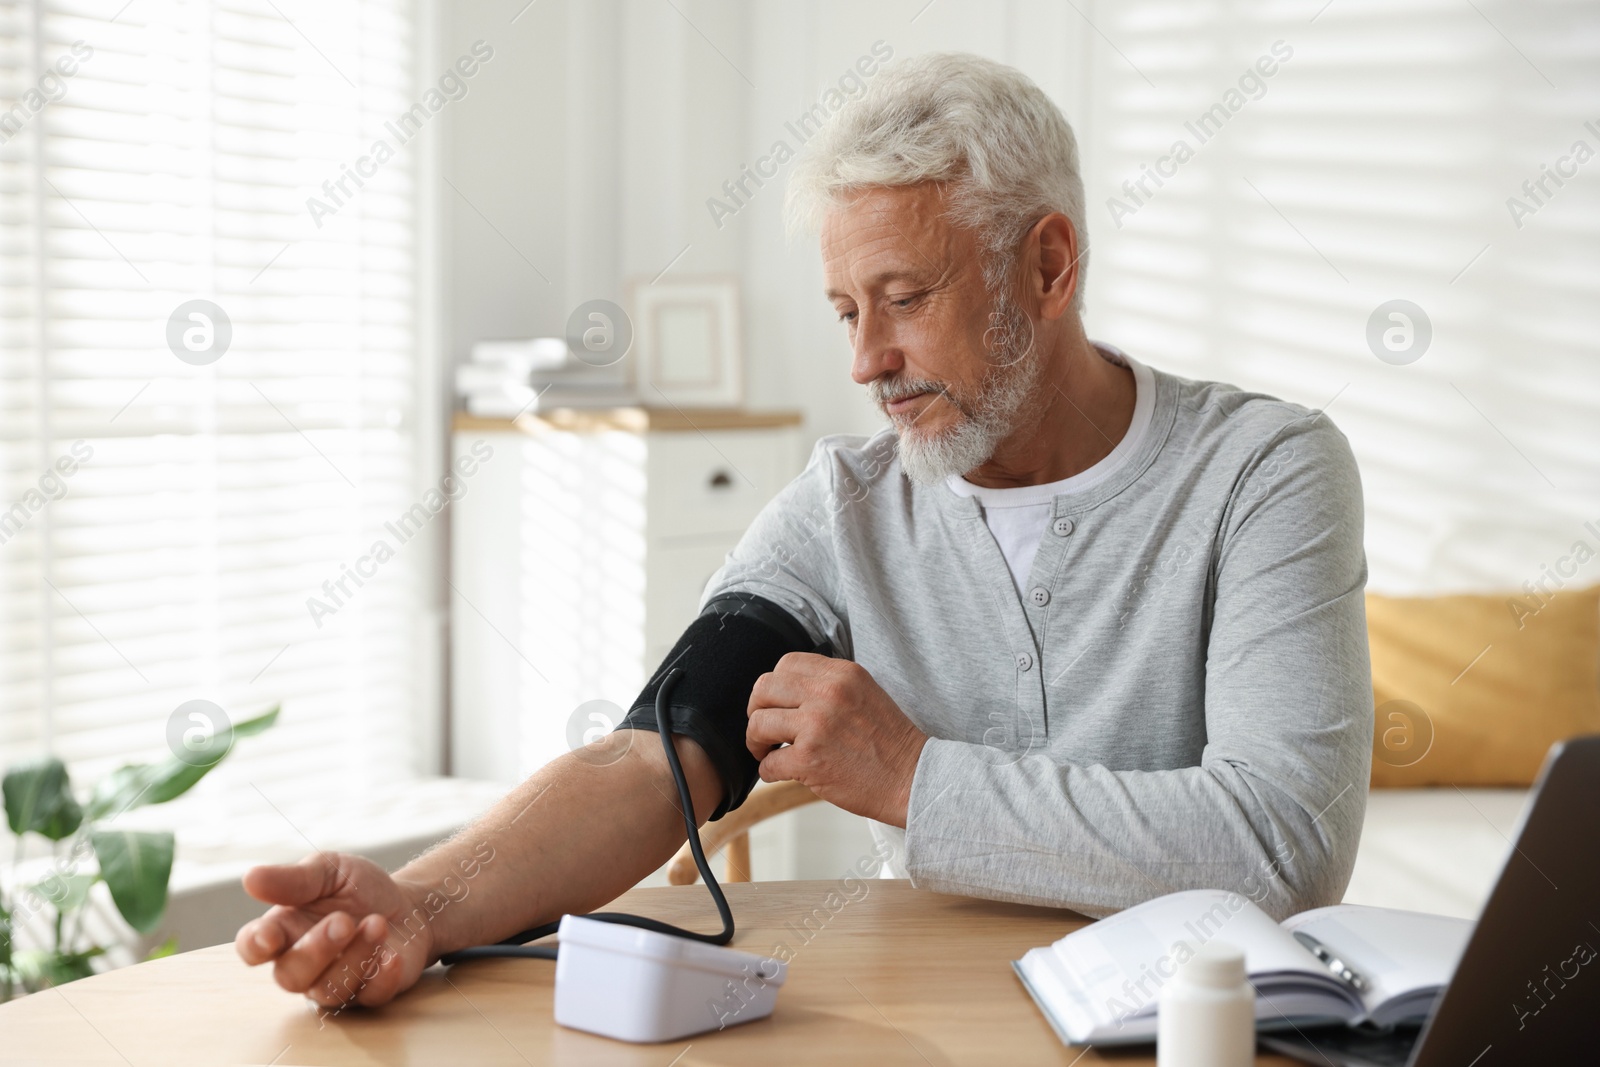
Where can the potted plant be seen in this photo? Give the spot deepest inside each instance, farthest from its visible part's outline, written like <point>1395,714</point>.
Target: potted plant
<point>84,849</point>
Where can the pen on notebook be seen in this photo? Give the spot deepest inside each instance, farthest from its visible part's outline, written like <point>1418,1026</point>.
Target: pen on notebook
<point>1334,963</point>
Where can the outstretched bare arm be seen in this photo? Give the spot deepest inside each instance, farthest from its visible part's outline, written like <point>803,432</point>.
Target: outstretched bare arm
<point>571,838</point>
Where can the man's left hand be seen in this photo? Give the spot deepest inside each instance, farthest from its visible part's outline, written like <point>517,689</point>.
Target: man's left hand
<point>847,740</point>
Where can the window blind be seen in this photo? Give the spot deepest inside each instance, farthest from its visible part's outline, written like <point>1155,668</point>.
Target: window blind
<point>208,500</point>
<point>1376,162</point>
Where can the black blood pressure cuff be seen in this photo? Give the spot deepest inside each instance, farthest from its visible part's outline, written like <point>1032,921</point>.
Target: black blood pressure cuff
<point>737,638</point>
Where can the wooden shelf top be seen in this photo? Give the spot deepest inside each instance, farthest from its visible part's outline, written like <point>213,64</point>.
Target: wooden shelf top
<point>630,419</point>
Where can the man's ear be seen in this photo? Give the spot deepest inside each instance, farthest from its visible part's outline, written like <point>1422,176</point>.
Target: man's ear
<point>1054,244</point>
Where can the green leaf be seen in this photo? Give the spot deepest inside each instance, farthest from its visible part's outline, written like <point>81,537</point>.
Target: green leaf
<point>136,866</point>
<point>138,784</point>
<point>39,798</point>
<point>65,892</point>
<point>120,790</point>
<point>251,727</point>
<point>40,969</point>
<point>166,948</point>
<point>175,777</point>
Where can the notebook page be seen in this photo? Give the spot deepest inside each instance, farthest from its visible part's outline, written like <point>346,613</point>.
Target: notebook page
<point>1399,953</point>
<point>1119,963</point>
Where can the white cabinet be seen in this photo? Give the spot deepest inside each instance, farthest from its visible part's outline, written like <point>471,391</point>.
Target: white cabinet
<point>579,549</point>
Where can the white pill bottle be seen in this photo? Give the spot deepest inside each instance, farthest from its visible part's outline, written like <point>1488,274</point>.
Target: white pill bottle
<point>1207,1016</point>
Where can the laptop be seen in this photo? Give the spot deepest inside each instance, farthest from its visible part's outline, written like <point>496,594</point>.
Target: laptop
<point>1527,986</point>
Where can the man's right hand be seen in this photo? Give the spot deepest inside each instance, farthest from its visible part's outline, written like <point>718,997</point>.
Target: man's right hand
<point>581,831</point>
<point>338,931</point>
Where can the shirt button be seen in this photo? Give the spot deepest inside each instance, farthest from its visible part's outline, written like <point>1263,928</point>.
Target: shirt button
<point>1039,595</point>
<point>1061,527</point>
<point>1024,661</point>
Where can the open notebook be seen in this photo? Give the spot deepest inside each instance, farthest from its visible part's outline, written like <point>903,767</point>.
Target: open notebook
<point>1101,984</point>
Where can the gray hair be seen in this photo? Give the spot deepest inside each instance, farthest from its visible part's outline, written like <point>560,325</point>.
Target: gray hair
<point>1005,150</point>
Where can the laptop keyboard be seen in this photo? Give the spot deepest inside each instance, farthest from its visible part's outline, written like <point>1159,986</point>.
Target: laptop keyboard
<point>1344,1046</point>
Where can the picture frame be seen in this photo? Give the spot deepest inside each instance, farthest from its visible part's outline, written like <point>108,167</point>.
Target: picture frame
<point>687,336</point>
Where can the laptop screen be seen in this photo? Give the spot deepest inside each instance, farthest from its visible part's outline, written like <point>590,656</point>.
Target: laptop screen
<point>1528,984</point>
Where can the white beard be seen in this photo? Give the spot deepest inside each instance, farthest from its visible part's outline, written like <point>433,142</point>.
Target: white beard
<point>929,458</point>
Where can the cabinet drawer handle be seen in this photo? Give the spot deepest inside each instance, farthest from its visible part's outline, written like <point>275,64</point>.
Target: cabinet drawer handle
<point>721,480</point>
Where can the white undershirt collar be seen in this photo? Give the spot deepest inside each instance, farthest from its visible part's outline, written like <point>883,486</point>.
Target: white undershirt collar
<point>1032,495</point>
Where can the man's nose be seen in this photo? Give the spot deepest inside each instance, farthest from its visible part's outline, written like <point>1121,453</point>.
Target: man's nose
<point>875,351</point>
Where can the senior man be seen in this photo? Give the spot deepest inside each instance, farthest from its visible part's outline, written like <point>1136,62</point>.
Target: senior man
<point>1072,631</point>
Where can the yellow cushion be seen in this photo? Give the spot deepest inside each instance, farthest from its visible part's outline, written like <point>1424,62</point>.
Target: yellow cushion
<point>1473,690</point>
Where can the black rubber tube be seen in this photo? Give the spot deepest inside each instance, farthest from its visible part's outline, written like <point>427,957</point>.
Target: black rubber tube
<point>517,944</point>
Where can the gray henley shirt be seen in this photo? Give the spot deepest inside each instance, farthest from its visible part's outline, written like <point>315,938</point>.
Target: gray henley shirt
<point>1180,697</point>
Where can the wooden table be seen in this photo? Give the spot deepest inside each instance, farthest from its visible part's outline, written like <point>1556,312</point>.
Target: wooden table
<point>895,976</point>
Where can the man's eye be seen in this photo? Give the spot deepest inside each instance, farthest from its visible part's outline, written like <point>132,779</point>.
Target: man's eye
<point>903,301</point>
<point>847,316</point>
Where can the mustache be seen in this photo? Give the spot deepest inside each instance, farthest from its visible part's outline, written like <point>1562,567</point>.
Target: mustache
<point>887,390</point>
